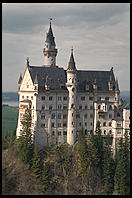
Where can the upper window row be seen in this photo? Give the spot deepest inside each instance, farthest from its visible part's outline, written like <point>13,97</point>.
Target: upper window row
<point>51,98</point>
<point>27,97</point>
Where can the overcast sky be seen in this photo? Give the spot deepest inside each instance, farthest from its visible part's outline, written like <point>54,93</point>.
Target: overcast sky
<point>98,32</point>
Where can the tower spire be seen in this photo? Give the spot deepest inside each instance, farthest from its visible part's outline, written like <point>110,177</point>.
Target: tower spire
<point>50,51</point>
<point>71,65</point>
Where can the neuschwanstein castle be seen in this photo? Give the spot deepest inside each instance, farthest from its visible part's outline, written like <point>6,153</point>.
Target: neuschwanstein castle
<point>63,101</point>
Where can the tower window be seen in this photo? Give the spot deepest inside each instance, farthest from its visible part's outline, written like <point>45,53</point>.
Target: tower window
<point>104,132</point>
<point>53,133</point>
<point>110,131</point>
<point>72,131</point>
<point>110,107</point>
<point>31,97</point>
<point>22,97</point>
<point>79,123</point>
<point>85,123</point>
<point>99,107</point>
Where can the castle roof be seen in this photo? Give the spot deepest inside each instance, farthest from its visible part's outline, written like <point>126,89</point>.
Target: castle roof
<point>50,37</point>
<point>57,78</point>
<point>71,65</point>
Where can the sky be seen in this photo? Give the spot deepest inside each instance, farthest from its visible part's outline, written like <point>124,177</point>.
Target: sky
<point>98,32</point>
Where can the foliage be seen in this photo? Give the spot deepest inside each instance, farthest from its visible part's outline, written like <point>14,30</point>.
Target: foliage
<point>122,172</point>
<point>7,140</point>
<point>108,168</point>
<point>25,143</point>
<point>83,152</point>
<point>46,176</point>
<point>37,164</point>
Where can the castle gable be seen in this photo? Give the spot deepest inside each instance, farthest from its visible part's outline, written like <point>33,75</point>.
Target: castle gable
<point>27,83</point>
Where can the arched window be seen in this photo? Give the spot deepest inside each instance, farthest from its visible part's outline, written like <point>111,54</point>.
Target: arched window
<point>110,132</point>
<point>104,132</point>
<point>43,107</point>
<point>59,106</point>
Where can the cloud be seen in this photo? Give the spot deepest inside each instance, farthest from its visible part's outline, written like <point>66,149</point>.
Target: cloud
<point>99,34</point>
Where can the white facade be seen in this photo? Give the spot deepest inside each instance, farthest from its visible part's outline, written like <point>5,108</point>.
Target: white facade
<point>59,114</point>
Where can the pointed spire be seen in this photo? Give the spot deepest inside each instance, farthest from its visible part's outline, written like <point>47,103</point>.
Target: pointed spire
<point>71,65</point>
<point>20,79</point>
<point>116,85</point>
<point>36,79</point>
<point>50,37</point>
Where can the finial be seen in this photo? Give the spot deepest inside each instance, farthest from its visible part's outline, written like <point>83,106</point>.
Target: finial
<point>72,49</point>
<point>50,20</point>
<point>27,61</point>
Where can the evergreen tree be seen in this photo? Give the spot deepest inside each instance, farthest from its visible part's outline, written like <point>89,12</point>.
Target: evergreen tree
<point>25,144</point>
<point>83,152</point>
<point>46,175</point>
<point>122,178</point>
<point>37,164</point>
<point>108,168</point>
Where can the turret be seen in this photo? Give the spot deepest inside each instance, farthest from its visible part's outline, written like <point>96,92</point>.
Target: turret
<point>71,86</point>
<point>50,51</point>
<point>117,94</point>
<point>19,81</point>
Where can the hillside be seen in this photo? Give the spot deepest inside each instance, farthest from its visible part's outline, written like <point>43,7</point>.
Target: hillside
<point>65,177</point>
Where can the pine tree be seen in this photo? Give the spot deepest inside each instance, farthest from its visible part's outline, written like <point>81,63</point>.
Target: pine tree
<point>108,168</point>
<point>83,152</point>
<point>37,164</point>
<point>122,178</point>
<point>45,176</point>
<point>25,143</point>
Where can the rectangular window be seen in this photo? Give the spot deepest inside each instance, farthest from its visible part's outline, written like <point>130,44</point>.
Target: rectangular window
<point>53,133</point>
<point>43,125</point>
<point>90,98</point>
<point>59,124</point>
<point>50,107</point>
<point>59,133</point>
<point>64,116</point>
<point>52,124</point>
<point>52,116</point>
<point>91,115</point>
<point>64,107</point>
<point>50,97</point>
<point>59,116</point>
<point>86,107</point>
<point>80,106</point>
<point>82,97</point>
<point>64,124</point>
<point>64,132</point>
<point>43,97</point>
<point>85,116</point>
<point>77,115</point>
<point>31,97</point>
<point>42,116</point>
<point>85,123</point>
<point>43,107</point>
<point>110,115</point>
<point>59,98</point>
<point>106,98</point>
<point>91,107</point>
<point>65,98</point>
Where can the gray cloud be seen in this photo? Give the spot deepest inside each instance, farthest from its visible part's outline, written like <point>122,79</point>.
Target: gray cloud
<point>100,34</point>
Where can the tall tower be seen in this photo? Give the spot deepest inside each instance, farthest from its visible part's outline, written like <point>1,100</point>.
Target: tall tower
<point>50,51</point>
<point>71,86</point>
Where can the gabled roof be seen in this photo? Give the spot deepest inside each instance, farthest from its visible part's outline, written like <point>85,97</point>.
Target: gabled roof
<point>57,78</point>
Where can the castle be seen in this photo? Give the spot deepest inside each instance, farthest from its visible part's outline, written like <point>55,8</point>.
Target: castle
<point>64,101</point>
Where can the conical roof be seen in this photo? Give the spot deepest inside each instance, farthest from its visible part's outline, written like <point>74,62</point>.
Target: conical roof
<point>71,65</point>
<point>50,37</point>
